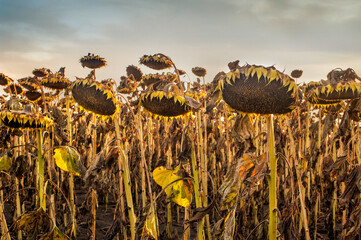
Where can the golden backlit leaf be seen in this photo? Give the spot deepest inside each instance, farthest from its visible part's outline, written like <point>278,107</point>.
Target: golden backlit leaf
<point>180,191</point>
<point>68,159</point>
<point>5,162</point>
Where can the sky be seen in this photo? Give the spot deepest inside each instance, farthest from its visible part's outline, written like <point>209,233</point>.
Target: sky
<point>313,35</point>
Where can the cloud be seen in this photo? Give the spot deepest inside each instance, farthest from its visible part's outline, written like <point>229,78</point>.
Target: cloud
<point>207,33</point>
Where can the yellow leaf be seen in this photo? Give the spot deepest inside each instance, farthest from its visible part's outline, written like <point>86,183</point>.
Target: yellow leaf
<point>68,159</point>
<point>5,162</point>
<point>180,191</point>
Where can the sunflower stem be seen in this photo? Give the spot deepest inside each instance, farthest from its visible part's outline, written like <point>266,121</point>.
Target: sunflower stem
<point>41,170</point>
<point>196,189</point>
<point>272,227</point>
<point>124,168</point>
<point>71,177</point>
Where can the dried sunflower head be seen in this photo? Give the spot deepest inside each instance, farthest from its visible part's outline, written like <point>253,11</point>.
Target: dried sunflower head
<point>54,81</point>
<point>92,61</point>
<point>41,72</point>
<point>4,80</point>
<point>199,71</point>
<point>158,79</point>
<point>127,85</point>
<point>332,91</point>
<point>135,71</point>
<point>23,118</point>
<point>29,83</point>
<point>14,89</point>
<point>258,89</point>
<point>296,73</point>
<point>164,104</point>
<point>156,61</point>
<point>32,95</point>
<point>169,102</point>
<point>94,98</point>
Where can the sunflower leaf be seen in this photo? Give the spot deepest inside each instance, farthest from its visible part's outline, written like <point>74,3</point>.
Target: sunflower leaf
<point>68,159</point>
<point>180,191</point>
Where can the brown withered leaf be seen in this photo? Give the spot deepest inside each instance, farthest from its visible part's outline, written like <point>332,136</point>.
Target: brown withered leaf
<point>33,223</point>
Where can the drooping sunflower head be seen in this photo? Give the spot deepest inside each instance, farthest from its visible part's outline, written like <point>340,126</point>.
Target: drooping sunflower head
<point>4,80</point>
<point>135,71</point>
<point>41,72</point>
<point>93,61</point>
<point>258,89</point>
<point>165,104</point>
<point>340,85</point>
<point>14,89</point>
<point>23,117</point>
<point>32,95</point>
<point>56,82</point>
<point>199,71</point>
<point>29,83</point>
<point>156,61</point>
<point>297,73</point>
<point>127,85</point>
<point>158,81</point>
<point>94,97</point>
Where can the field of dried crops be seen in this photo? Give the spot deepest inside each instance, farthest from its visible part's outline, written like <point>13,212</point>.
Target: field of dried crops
<point>251,154</point>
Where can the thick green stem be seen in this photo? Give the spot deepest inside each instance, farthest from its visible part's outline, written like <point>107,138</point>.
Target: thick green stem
<point>272,227</point>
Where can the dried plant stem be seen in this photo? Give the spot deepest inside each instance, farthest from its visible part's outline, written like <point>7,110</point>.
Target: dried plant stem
<point>94,209</point>
<point>71,177</point>
<point>272,227</point>
<point>94,194</point>
<point>17,198</point>
<point>168,165</point>
<point>124,169</point>
<point>196,188</point>
<point>41,170</point>
<point>143,161</point>
<point>4,227</point>
<point>303,206</point>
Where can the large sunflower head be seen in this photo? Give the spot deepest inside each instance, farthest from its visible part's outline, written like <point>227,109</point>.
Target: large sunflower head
<point>94,97</point>
<point>168,102</point>
<point>29,83</point>
<point>199,71</point>
<point>135,71</point>
<point>41,72</point>
<point>23,117</point>
<point>258,89</point>
<point>4,80</point>
<point>156,61</point>
<point>93,61</point>
<point>340,85</point>
<point>164,104</point>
